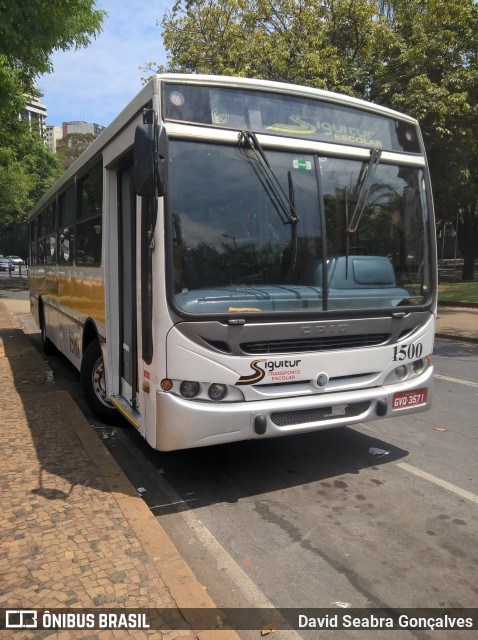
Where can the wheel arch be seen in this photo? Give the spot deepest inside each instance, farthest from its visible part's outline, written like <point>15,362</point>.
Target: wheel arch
<point>35,302</point>
<point>41,309</point>
<point>93,375</point>
<point>90,334</point>
<point>48,346</point>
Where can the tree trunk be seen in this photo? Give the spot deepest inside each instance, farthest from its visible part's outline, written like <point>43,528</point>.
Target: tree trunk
<point>468,243</point>
<point>468,268</point>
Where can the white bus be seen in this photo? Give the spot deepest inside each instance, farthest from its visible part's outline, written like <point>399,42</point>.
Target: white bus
<point>236,258</point>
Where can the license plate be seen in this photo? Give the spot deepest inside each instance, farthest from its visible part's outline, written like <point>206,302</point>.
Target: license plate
<point>406,399</point>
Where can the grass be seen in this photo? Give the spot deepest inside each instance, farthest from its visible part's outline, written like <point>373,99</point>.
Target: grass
<point>458,292</point>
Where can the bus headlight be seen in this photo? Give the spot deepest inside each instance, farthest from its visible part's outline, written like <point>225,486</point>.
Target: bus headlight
<point>189,389</point>
<point>401,372</point>
<point>408,371</point>
<point>217,391</point>
<point>419,366</point>
<point>201,391</point>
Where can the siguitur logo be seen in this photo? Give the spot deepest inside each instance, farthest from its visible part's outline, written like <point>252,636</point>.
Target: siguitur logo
<point>277,370</point>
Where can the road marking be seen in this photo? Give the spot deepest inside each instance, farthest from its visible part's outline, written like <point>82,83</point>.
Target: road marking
<point>223,560</point>
<point>448,379</point>
<point>441,483</point>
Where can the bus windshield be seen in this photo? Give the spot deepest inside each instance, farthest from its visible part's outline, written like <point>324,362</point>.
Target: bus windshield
<point>236,249</point>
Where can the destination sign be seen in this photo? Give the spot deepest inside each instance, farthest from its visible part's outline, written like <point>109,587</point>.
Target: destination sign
<point>287,115</point>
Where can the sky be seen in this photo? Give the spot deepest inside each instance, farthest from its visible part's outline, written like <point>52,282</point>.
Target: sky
<point>95,83</point>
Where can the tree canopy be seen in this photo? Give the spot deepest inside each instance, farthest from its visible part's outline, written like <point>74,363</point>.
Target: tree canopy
<point>430,70</point>
<point>27,169</point>
<point>71,147</point>
<point>416,56</point>
<point>29,33</point>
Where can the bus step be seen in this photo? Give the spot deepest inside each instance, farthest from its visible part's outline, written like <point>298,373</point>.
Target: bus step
<point>124,407</point>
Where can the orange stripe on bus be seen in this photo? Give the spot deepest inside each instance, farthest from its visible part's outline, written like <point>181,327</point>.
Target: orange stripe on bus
<point>84,296</point>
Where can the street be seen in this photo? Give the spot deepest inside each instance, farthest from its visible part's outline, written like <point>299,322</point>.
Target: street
<point>318,520</point>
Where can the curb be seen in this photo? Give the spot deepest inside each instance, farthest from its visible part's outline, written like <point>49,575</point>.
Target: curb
<point>185,590</point>
<point>456,337</point>
<point>458,305</point>
<point>14,283</point>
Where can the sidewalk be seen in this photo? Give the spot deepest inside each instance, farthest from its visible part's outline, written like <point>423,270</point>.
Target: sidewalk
<point>459,323</point>
<point>73,530</point>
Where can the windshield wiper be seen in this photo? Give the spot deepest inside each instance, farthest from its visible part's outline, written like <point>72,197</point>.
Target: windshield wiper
<point>363,186</point>
<point>283,203</point>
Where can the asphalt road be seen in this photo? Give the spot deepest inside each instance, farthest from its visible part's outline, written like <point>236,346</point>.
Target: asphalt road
<point>317,520</point>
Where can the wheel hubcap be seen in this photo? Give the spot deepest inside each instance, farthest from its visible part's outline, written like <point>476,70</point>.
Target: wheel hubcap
<point>99,383</point>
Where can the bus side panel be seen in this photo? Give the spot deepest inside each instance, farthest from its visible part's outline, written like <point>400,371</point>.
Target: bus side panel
<point>36,282</point>
<point>71,339</point>
<point>34,308</point>
<point>32,285</point>
<point>80,298</point>
<point>52,321</point>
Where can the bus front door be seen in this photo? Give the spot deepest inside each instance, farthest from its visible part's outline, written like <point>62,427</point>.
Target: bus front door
<point>127,288</point>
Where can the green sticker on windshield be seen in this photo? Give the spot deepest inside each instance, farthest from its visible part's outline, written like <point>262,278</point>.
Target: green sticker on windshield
<point>302,164</point>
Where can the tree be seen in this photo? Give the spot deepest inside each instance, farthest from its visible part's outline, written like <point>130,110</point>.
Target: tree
<point>315,44</point>
<point>27,169</point>
<point>429,69</point>
<point>417,56</point>
<point>29,33</point>
<point>71,147</point>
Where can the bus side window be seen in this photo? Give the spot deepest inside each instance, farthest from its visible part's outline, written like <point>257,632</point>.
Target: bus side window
<point>88,242</point>
<point>41,252</point>
<point>33,254</point>
<point>65,238</point>
<point>50,250</point>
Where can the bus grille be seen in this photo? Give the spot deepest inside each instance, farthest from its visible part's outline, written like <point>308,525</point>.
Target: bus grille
<point>329,343</point>
<point>287,418</point>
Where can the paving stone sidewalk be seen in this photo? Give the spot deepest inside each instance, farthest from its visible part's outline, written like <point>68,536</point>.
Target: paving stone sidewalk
<point>458,323</point>
<point>73,531</point>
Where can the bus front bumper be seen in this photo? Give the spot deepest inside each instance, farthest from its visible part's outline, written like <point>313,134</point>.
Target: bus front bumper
<point>184,424</point>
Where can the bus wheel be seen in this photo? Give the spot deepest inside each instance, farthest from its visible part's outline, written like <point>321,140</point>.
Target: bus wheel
<point>94,385</point>
<point>47,345</point>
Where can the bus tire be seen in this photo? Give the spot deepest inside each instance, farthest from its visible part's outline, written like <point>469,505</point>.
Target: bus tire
<point>93,383</point>
<point>47,345</point>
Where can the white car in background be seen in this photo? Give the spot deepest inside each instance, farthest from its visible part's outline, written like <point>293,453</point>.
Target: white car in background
<point>16,259</point>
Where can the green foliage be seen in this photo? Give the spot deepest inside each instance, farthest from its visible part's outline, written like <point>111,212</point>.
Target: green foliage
<point>15,184</point>
<point>416,56</point>
<point>11,94</point>
<point>27,169</point>
<point>29,33</point>
<point>430,70</point>
<point>320,45</point>
<point>72,146</point>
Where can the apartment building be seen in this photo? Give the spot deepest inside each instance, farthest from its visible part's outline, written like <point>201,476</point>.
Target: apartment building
<point>52,135</point>
<point>79,126</point>
<point>35,114</point>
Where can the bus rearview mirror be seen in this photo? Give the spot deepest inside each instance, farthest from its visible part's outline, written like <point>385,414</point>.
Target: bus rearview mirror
<point>150,160</point>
